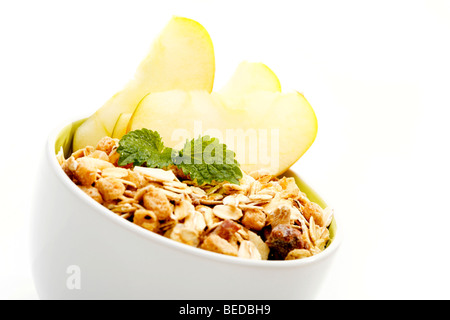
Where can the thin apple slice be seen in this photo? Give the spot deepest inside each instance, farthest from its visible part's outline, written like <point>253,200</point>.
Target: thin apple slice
<point>271,130</point>
<point>182,57</point>
<point>120,129</point>
<point>92,130</point>
<point>250,77</point>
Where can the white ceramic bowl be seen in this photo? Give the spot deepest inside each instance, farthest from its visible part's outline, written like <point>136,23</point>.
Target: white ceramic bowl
<point>81,250</point>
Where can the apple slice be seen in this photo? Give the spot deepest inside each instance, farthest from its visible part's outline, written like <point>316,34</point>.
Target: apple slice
<point>250,77</point>
<point>182,57</point>
<point>89,133</point>
<point>270,130</point>
<point>120,129</point>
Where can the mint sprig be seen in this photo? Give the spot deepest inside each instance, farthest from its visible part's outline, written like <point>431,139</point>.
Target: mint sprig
<point>205,160</point>
<point>144,146</point>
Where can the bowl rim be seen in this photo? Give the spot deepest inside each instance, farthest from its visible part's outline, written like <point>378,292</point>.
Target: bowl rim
<point>174,245</point>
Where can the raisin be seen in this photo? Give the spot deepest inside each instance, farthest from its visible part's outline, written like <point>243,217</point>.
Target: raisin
<point>227,230</point>
<point>283,239</point>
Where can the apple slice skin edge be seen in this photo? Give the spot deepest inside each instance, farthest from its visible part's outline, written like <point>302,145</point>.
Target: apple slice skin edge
<point>296,121</point>
<point>266,80</point>
<point>182,57</point>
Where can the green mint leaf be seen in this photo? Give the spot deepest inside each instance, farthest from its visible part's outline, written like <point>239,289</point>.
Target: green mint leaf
<point>206,160</point>
<point>144,146</point>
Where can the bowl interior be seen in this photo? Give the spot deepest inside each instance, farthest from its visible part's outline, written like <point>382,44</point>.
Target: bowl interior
<point>65,137</point>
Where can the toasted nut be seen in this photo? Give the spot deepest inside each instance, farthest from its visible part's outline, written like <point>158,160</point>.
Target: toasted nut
<point>146,219</point>
<point>263,217</point>
<point>106,144</point>
<point>156,201</point>
<point>69,166</point>
<point>93,193</point>
<point>110,188</point>
<point>254,219</point>
<point>312,209</point>
<point>85,172</point>
<point>136,178</point>
<point>215,243</point>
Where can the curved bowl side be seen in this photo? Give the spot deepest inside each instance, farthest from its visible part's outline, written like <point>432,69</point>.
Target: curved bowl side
<point>81,250</point>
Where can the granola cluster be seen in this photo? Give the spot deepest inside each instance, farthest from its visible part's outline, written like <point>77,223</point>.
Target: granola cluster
<point>262,218</point>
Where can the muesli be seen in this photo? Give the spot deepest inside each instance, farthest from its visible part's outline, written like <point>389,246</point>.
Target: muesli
<point>257,217</point>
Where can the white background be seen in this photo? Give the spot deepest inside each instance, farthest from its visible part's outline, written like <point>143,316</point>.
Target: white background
<point>376,73</point>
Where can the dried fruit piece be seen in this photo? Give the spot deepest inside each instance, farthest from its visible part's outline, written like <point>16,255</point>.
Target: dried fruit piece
<point>283,239</point>
<point>223,217</point>
<point>227,230</point>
